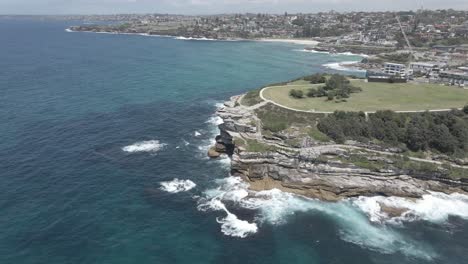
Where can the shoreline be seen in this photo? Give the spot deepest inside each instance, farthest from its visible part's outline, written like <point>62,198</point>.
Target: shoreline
<point>316,169</point>
<point>275,40</point>
<point>291,41</point>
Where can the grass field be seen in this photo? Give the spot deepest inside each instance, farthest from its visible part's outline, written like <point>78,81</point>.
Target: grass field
<point>375,96</point>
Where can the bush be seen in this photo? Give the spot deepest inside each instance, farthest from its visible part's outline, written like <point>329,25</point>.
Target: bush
<point>296,93</point>
<point>330,95</point>
<point>312,92</point>
<point>465,109</point>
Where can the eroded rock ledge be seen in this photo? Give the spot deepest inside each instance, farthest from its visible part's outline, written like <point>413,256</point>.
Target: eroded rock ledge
<point>317,169</point>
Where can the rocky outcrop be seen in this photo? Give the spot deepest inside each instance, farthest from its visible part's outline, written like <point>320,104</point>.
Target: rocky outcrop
<point>317,171</point>
<point>332,180</point>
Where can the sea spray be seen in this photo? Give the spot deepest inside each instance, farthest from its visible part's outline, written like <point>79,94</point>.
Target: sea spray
<point>343,66</point>
<point>275,207</point>
<point>176,186</point>
<point>433,207</point>
<point>144,146</point>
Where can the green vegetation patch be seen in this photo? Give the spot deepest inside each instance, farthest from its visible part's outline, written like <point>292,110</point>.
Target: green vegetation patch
<point>445,132</point>
<point>256,146</point>
<point>276,119</point>
<point>251,98</point>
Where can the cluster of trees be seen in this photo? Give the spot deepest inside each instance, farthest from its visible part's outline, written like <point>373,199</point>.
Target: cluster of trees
<point>316,78</point>
<point>443,132</point>
<point>336,87</point>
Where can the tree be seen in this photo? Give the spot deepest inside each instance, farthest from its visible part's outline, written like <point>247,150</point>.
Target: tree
<point>442,140</point>
<point>312,92</point>
<point>296,93</point>
<point>465,109</point>
<point>330,95</point>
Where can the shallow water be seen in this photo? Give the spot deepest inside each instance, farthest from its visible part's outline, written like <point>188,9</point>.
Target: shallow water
<point>94,125</point>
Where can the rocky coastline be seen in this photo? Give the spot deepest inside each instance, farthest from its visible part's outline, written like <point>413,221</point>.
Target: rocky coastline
<point>316,169</point>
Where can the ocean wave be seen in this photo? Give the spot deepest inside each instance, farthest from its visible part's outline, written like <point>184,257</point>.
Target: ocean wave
<point>334,54</point>
<point>341,66</point>
<point>312,51</point>
<point>433,207</point>
<point>207,39</point>
<point>214,120</point>
<point>144,146</point>
<point>229,189</point>
<point>275,207</point>
<point>212,132</point>
<point>191,38</point>
<point>197,134</point>
<point>176,186</point>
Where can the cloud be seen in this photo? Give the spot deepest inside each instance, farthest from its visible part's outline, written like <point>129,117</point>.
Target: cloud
<point>214,6</point>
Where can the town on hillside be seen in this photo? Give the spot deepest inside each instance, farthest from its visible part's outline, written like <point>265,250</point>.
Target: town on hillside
<point>421,46</point>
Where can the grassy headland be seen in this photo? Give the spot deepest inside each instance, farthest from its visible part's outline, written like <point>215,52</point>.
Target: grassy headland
<point>374,97</point>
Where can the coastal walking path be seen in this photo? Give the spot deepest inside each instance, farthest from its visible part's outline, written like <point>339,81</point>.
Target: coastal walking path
<point>259,137</point>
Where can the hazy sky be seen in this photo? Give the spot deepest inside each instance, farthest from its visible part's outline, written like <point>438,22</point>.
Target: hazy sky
<point>214,6</point>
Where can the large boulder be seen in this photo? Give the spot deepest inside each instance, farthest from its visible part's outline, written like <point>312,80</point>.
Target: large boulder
<point>212,153</point>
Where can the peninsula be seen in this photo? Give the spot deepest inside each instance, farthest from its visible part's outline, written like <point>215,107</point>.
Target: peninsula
<point>408,140</point>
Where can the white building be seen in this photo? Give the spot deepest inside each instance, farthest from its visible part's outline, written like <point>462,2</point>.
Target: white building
<point>422,67</point>
<point>394,69</point>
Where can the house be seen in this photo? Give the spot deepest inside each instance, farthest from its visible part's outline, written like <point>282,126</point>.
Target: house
<point>373,76</point>
<point>422,67</point>
<point>454,78</point>
<point>394,69</point>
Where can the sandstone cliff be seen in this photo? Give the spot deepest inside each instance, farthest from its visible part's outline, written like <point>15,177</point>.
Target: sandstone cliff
<point>321,170</point>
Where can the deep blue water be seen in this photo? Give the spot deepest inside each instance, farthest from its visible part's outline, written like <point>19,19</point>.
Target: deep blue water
<point>69,103</point>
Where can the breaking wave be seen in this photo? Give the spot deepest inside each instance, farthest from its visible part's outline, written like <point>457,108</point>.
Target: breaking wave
<point>176,186</point>
<point>145,146</point>
<point>343,66</point>
<point>327,52</point>
<point>433,207</point>
<point>229,189</point>
<point>275,207</point>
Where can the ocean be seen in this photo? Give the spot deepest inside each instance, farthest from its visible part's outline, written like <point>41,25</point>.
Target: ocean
<point>103,160</point>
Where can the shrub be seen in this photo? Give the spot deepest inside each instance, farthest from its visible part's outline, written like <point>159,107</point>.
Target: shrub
<point>330,95</point>
<point>465,109</point>
<point>312,92</point>
<point>296,93</point>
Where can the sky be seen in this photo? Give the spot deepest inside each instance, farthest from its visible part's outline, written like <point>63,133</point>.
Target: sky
<point>216,6</point>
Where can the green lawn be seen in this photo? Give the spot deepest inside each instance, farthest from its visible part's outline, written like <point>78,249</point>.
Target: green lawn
<point>375,96</point>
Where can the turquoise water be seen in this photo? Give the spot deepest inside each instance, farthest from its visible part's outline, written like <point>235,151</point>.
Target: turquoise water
<point>69,193</point>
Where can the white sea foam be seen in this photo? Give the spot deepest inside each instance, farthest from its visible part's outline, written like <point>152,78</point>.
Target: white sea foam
<point>215,121</point>
<point>275,207</point>
<point>68,30</point>
<point>229,189</point>
<point>334,54</point>
<point>433,207</point>
<point>145,146</point>
<point>197,134</point>
<point>342,66</point>
<point>191,38</point>
<point>211,134</point>
<point>176,186</point>
<point>219,105</point>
